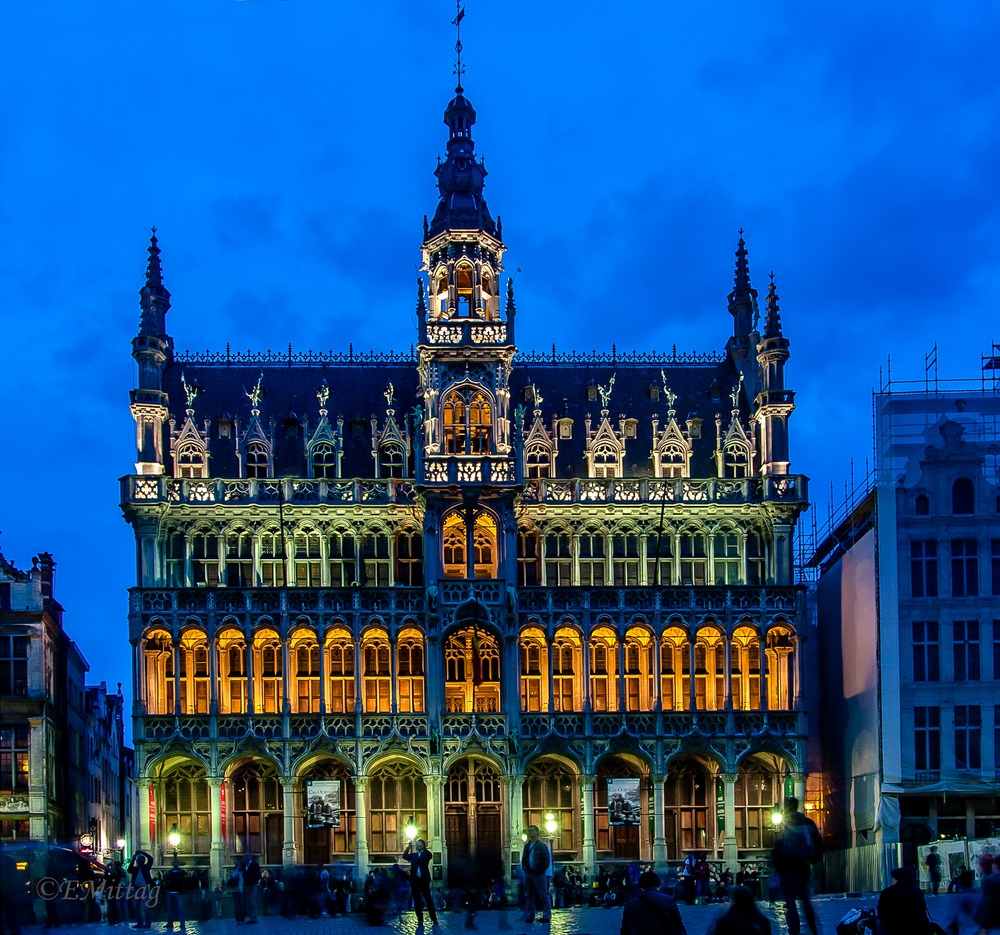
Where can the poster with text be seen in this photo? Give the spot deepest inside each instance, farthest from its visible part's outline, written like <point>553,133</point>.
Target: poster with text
<point>952,856</point>
<point>323,803</point>
<point>623,801</point>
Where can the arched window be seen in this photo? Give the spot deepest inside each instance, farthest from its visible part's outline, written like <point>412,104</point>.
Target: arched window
<point>396,796</point>
<point>256,460</point>
<point>239,559</point>
<point>472,668</point>
<point>205,558</point>
<point>527,559</point>
<point>694,558</point>
<point>343,564</point>
<point>376,672</point>
<point>558,559</point>
<point>686,804</point>
<point>484,543</point>
<point>674,669</point>
<point>756,559</point>
<point>391,460</point>
<point>159,672</point>
<point>638,670</point>
<point>463,287</point>
<point>736,460</point>
<point>727,565</point>
<point>550,786</point>
<point>340,664</point>
<point>257,811</point>
<point>606,460</point>
<point>468,423</point>
<point>673,461</point>
<point>625,559</point>
<point>190,461</point>
<point>375,559</point>
<point>272,558</point>
<point>709,670</point>
<point>534,670</point>
<point>304,654</point>
<point>176,550</point>
<point>662,543</point>
<point>267,672</point>
<point>537,461</point>
<point>328,844</point>
<point>592,558</point>
<point>232,672</point>
<point>410,558</point>
<point>758,790</point>
<point>410,671</point>
<point>921,506</point>
<point>780,669</point>
<point>567,670</point>
<point>307,559</point>
<point>193,653</point>
<point>963,496</point>
<point>323,459</point>
<point>603,669</point>
<point>186,807</point>
<point>745,661</point>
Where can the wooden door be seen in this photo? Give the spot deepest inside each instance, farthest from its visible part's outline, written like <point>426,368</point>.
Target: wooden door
<point>273,833</point>
<point>625,841</point>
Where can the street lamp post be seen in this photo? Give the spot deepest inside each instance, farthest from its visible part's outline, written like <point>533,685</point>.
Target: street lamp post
<point>410,831</point>
<point>174,838</point>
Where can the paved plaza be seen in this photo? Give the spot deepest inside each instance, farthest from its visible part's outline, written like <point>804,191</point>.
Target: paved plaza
<point>576,921</point>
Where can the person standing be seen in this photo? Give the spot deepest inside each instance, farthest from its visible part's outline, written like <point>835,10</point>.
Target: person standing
<point>174,884</point>
<point>651,910</point>
<point>933,864</point>
<point>795,851</point>
<point>420,880</point>
<point>987,912</point>
<point>901,907</point>
<point>742,917</point>
<point>535,863</point>
<point>141,879</point>
<point>251,877</point>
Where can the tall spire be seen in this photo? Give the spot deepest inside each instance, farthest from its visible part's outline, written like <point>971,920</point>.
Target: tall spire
<point>742,304</point>
<point>154,299</point>
<point>457,23</point>
<point>772,316</point>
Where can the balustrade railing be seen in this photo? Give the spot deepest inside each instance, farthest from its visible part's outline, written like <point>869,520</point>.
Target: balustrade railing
<point>160,488</point>
<point>787,488</point>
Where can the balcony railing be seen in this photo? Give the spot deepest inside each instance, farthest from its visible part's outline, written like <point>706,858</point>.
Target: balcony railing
<point>791,488</point>
<point>276,600</point>
<point>162,489</point>
<point>734,597</point>
<point>485,469</point>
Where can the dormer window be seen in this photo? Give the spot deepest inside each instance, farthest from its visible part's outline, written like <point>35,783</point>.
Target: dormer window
<point>736,461</point>
<point>190,462</point>
<point>391,460</point>
<point>605,461</point>
<point>463,285</point>
<point>256,460</point>
<point>324,461</point>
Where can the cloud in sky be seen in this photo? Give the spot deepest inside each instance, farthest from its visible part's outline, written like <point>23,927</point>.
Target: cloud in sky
<point>286,153</point>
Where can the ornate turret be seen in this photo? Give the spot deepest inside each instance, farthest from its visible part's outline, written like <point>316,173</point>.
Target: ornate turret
<point>152,349</point>
<point>742,306</point>
<point>774,403</point>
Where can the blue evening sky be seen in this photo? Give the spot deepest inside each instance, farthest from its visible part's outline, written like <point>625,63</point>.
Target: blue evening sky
<point>285,151</point>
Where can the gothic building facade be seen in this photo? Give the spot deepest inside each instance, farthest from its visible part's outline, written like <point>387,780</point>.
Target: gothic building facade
<point>467,585</point>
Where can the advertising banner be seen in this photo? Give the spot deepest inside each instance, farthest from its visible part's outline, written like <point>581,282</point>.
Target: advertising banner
<point>623,802</point>
<point>222,809</point>
<point>323,803</point>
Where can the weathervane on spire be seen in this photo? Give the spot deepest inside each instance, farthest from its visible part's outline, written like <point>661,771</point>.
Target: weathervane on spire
<point>323,394</point>
<point>191,390</point>
<point>255,394</point>
<point>457,23</point>
<point>389,393</point>
<point>735,394</point>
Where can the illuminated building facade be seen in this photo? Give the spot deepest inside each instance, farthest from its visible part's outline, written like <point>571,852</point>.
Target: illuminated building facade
<point>468,583</point>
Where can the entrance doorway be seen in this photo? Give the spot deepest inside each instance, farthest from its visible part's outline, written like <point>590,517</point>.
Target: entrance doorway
<point>474,821</point>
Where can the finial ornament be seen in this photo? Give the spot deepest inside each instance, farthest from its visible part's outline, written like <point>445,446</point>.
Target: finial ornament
<point>389,393</point>
<point>457,23</point>
<point>735,394</point>
<point>536,396</point>
<point>256,393</point>
<point>191,391</point>
<point>605,391</point>
<point>323,394</point>
<point>668,394</point>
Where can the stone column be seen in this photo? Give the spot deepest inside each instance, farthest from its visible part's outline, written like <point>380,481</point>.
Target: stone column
<point>589,840</point>
<point>176,651</point>
<point>764,706</point>
<point>549,651</point>
<point>657,699</point>
<point>286,674</point>
<point>250,667</point>
<point>728,674</point>
<point>799,698</point>
<point>218,853</point>
<point>289,855</point>
<point>620,663</point>
<point>143,786</point>
<point>213,676</point>
<point>692,680</point>
<point>585,652</point>
<point>394,687</point>
<point>730,854</point>
<point>514,807</point>
<point>324,681</point>
<point>361,819</point>
<point>435,811</point>
<point>659,836</point>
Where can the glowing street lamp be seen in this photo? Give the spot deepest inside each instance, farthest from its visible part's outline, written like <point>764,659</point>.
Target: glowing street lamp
<point>551,826</point>
<point>776,819</point>
<point>120,847</point>
<point>410,831</point>
<point>174,837</point>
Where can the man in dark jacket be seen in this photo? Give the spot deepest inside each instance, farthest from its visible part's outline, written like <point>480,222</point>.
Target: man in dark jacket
<point>420,880</point>
<point>251,877</point>
<point>797,848</point>
<point>651,910</point>
<point>902,909</point>
<point>535,862</point>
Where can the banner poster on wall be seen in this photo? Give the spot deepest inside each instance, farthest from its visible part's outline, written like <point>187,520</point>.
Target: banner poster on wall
<point>952,856</point>
<point>720,803</point>
<point>222,809</point>
<point>323,803</point>
<point>152,816</point>
<point>623,802</point>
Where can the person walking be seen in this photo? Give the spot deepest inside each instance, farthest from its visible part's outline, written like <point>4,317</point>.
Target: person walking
<point>742,917</point>
<point>651,910</point>
<point>251,877</point>
<point>420,880</point>
<point>174,885</point>
<point>902,909</point>
<point>987,912</point>
<point>933,864</point>
<point>796,849</point>
<point>535,863</point>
